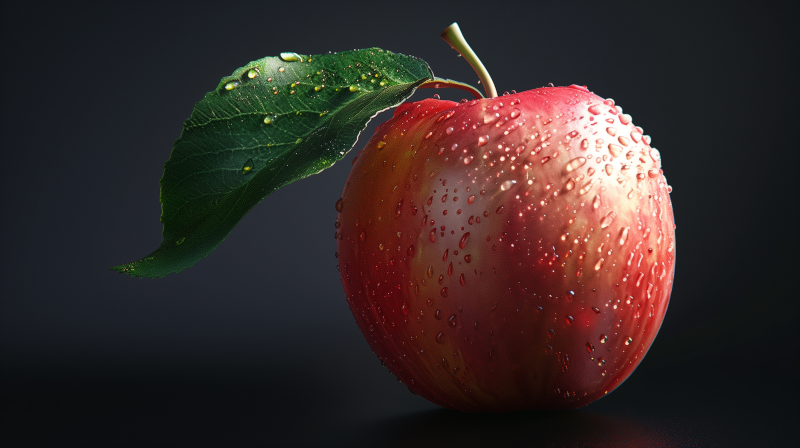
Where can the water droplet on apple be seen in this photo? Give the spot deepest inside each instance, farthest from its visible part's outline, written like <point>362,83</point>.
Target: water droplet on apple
<point>608,219</point>
<point>443,292</point>
<point>515,113</point>
<point>596,310</point>
<point>599,264</point>
<point>603,338</point>
<point>575,163</point>
<point>482,140</point>
<point>596,202</point>
<point>595,109</point>
<point>449,130</point>
<point>615,150</point>
<point>339,204</point>
<point>569,320</point>
<point>655,155</point>
<point>589,347</point>
<point>440,338</point>
<point>463,243</point>
<point>453,321</point>
<point>623,235</point>
<point>362,236</point>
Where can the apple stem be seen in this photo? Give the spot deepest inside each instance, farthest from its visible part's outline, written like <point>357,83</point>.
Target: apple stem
<point>452,35</point>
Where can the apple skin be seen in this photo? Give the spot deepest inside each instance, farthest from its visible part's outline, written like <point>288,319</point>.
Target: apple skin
<point>528,267</point>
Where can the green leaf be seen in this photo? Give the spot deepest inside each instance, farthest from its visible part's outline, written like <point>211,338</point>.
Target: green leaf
<point>272,122</point>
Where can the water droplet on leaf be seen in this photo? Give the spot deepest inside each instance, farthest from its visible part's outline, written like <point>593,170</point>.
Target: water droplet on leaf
<point>247,168</point>
<point>291,57</point>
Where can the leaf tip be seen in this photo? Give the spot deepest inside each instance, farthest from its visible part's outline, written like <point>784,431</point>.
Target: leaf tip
<point>131,270</point>
<point>125,269</point>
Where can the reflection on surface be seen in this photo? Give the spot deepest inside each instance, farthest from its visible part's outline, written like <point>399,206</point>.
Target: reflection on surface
<point>533,428</point>
<point>300,402</point>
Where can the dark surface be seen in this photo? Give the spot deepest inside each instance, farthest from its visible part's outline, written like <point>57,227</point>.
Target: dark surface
<point>255,344</point>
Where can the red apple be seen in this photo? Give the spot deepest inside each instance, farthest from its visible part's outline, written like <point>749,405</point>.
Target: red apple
<point>508,253</point>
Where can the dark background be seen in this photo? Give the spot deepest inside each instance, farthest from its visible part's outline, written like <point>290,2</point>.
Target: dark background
<point>255,344</point>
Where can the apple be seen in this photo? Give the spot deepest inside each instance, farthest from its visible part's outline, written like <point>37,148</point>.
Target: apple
<point>500,254</point>
<point>508,253</point>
